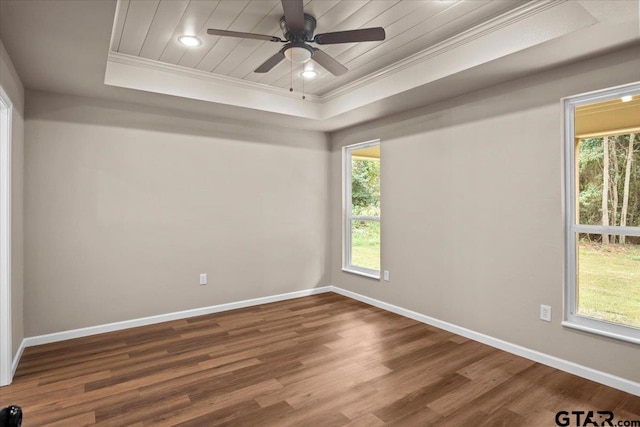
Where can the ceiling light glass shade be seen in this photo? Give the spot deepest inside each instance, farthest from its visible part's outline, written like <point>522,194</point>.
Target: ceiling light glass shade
<point>297,55</point>
<point>191,41</point>
<point>309,74</point>
<point>627,98</point>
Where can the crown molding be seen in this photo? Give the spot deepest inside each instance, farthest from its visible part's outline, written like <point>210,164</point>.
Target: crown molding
<point>122,58</point>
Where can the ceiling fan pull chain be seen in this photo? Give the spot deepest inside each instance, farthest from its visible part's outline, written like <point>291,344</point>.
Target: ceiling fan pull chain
<point>291,76</point>
<point>303,97</point>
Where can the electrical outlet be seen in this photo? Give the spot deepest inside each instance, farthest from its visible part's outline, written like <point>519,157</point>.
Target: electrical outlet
<point>545,312</point>
<point>203,279</point>
<point>385,275</point>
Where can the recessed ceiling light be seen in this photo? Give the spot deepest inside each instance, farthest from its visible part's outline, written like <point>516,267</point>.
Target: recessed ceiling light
<point>627,98</point>
<point>191,41</point>
<point>309,74</point>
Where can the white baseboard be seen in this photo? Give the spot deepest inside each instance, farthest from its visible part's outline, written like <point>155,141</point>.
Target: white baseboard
<point>117,326</point>
<point>555,362</point>
<point>16,358</point>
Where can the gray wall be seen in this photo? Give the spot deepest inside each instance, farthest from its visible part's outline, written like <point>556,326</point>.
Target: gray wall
<point>472,211</point>
<point>12,85</point>
<point>126,205</point>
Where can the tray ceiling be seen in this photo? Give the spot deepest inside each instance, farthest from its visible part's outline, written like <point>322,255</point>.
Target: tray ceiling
<point>427,41</point>
<point>120,50</point>
<point>150,29</point>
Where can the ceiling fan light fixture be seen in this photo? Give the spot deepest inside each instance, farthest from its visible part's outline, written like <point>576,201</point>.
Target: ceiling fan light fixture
<point>191,41</point>
<point>298,55</point>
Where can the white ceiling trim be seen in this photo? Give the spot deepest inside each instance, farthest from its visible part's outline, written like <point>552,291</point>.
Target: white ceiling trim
<point>118,24</point>
<point>152,76</point>
<point>521,28</point>
<point>481,30</point>
<point>138,61</point>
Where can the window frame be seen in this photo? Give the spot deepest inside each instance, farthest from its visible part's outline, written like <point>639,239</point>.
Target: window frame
<point>571,317</point>
<point>347,209</point>
<point>6,344</point>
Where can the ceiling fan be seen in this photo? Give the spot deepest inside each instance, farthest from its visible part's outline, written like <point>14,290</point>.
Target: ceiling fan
<point>297,28</point>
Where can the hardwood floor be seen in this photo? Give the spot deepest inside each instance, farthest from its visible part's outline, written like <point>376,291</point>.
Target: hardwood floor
<point>323,360</point>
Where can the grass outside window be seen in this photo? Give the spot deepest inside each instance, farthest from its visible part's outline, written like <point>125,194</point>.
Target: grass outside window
<point>609,282</point>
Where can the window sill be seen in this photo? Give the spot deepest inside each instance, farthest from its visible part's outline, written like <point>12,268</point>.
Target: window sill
<point>597,331</point>
<point>362,273</point>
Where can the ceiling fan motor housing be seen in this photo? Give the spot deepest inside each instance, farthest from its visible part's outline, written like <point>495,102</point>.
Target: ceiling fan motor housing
<point>307,33</point>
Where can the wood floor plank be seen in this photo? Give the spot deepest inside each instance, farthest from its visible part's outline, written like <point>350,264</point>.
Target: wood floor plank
<point>43,414</point>
<point>456,399</point>
<point>222,416</point>
<point>323,360</point>
<point>82,420</point>
<point>382,393</point>
<point>423,417</point>
<point>631,404</point>
<point>367,420</point>
<point>415,401</point>
<point>511,392</point>
<point>216,402</point>
<point>126,413</point>
<point>345,378</point>
<point>191,382</point>
<point>502,418</point>
<point>265,415</point>
<point>124,375</point>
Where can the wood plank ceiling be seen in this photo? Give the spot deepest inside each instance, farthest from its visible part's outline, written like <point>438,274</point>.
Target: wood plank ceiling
<point>150,29</point>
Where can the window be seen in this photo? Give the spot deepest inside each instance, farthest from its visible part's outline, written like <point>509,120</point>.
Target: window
<point>361,244</point>
<point>602,139</point>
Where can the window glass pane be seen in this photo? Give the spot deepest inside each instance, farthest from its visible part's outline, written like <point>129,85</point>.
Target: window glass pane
<point>608,276</point>
<point>365,244</point>
<point>365,181</point>
<point>608,162</point>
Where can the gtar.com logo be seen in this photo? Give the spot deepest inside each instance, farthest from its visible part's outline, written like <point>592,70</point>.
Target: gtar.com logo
<point>592,418</point>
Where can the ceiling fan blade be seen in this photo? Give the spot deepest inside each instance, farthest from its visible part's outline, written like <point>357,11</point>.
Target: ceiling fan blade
<point>363,35</point>
<point>270,63</point>
<point>330,64</point>
<point>226,33</point>
<point>294,15</point>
